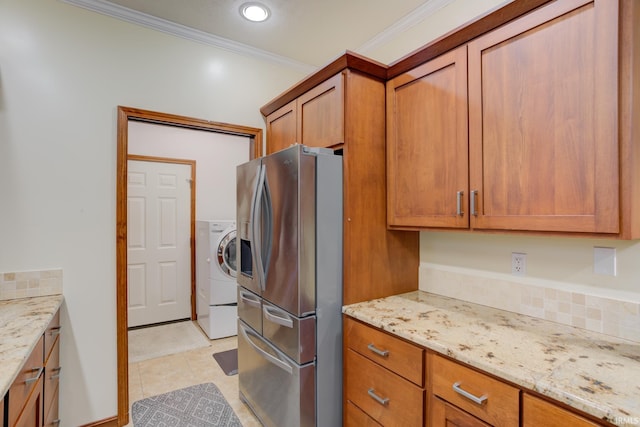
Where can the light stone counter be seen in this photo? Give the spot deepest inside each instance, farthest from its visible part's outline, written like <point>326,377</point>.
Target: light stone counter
<point>22,322</point>
<point>592,372</point>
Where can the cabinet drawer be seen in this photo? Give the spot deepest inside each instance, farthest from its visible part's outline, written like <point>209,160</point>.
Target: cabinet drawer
<point>387,398</point>
<point>26,381</point>
<point>537,412</point>
<point>499,403</point>
<point>355,417</point>
<point>393,353</point>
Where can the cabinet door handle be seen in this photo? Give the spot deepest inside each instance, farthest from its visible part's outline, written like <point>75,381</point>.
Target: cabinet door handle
<point>381,400</point>
<point>475,399</point>
<point>34,379</point>
<point>376,350</point>
<point>472,201</point>
<point>57,373</point>
<point>459,210</point>
<point>55,331</point>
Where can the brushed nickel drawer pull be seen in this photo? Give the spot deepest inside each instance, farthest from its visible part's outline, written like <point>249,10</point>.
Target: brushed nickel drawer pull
<point>55,330</point>
<point>459,210</point>
<point>381,400</point>
<point>474,194</point>
<point>34,379</point>
<point>383,353</point>
<point>475,399</point>
<point>57,373</point>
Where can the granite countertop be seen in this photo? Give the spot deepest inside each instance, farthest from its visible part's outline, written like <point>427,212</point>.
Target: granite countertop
<point>22,322</point>
<point>592,372</point>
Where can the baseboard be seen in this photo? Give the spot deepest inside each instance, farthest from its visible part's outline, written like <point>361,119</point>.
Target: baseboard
<point>107,422</point>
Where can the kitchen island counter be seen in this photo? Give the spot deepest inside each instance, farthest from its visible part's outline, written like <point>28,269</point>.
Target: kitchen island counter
<point>22,323</point>
<point>595,373</point>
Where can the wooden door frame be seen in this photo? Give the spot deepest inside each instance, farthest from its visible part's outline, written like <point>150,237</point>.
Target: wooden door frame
<point>125,114</point>
<point>192,217</point>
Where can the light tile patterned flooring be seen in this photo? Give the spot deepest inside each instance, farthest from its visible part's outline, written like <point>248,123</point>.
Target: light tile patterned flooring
<point>163,374</point>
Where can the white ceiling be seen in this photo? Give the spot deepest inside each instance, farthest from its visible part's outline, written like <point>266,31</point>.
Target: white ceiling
<point>304,33</point>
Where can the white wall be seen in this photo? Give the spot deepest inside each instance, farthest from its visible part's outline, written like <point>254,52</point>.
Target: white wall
<point>63,72</point>
<point>216,155</point>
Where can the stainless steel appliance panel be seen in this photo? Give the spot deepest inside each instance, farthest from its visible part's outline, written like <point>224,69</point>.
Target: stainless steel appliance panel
<point>280,392</point>
<point>250,308</point>
<point>294,336</point>
<point>247,180</point>
<point>290,181</point>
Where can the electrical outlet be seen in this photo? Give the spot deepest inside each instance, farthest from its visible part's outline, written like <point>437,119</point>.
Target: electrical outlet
<point>518,263</point>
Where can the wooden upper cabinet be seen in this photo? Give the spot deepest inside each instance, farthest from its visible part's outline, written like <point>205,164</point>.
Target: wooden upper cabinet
<point>543,133</point>
<point>315,119</point>
<point>342,107</point>
<point>524,128</point>
<point>321,114</point>
<point>427,131</point>
<point>281,128</point>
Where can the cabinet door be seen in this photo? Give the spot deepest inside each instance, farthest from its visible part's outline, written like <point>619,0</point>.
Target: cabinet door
<point>31,415</point>
<point>537,412</point>
<point>446,415</point>
<point>355,417</point>
<point>543,137</point>
<point>427,144</point>
<point>321,114</point>
<point>281,128</point>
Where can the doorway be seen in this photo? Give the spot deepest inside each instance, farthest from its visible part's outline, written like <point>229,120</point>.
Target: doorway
<point>125,115</point>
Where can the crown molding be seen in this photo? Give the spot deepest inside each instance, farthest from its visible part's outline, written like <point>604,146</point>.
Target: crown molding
<point>168,27</point>
<point>411,19</point>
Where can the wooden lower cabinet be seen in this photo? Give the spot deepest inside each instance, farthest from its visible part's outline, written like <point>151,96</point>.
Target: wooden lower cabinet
<point>355,416</point>
<point>25,394</point>
<point>31,415</point>
<point>537,412</point>
<point>377,390</point>
<point>51,386</point>
<point>382,388</point>
<point>32,399</point>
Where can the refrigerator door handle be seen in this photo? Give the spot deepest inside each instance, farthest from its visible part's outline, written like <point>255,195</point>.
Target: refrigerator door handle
<point>273,359</point>
<point>256,213</point>
<point>276,316</point>
<point>250,299</point>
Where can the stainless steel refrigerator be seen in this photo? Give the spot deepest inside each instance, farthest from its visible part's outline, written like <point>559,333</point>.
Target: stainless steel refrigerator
<point>289,225</point>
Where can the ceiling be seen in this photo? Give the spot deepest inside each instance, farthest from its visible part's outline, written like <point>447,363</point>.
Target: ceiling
<point>306,33</point>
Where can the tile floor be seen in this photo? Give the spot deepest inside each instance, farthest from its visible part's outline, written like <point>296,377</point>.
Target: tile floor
<point>162,374</point>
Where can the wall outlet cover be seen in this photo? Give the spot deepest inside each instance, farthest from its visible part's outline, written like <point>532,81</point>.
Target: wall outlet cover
<point>604,261</point>
<point>518,263</point>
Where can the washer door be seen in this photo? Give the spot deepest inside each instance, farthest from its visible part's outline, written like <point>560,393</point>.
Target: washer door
<point>226,254</point>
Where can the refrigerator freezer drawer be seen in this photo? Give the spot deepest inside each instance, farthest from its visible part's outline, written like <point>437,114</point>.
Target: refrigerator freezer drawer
<point>294,336</point>
<point>250,308</point>
<point>280,392</point>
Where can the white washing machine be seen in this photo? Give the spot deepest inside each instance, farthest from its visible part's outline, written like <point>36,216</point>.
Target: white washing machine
<point>216,296</point>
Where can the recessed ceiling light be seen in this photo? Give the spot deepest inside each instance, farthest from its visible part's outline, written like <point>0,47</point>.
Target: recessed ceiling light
<point>255,12</point>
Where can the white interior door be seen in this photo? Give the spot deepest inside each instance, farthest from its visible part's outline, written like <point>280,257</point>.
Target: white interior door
<point>158,242</point>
